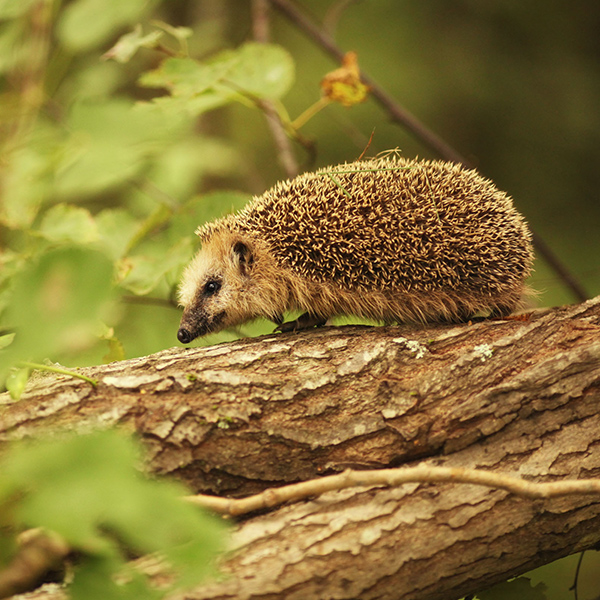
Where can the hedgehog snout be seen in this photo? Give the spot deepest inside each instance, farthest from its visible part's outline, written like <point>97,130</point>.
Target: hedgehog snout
<point>184,336</point>
<point>196,322</point>
<point>193,324</point>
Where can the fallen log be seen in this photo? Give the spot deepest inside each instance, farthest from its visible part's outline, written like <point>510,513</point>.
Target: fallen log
<point>514,397</point>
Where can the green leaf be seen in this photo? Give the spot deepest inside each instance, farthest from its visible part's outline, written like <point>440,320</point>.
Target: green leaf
<point>130,43</point>
<point>9,9</point>
<point>192,105</point>
<point>6,340</point>
<point>98,81</point>
<point>95,581</point>
<point>66,223</point>
<point>116,350</point>
<point>87,490</point>
<point>203,209</point>
<point>159,217</point>
<point>27,178</point>
<point>16,382</point>
<point>142,273</point>
<point>11,264</point>
<point>111,143</point>
<point>13,52</point>
<point>182,165</point>
<point>185,77</point>
<point>260,70</point>
<point>67,476</point>
<point>56,304</point>
<point>181,34</point>
<point>85,24</point>
<point>116,228</point>
<point>263,70</point>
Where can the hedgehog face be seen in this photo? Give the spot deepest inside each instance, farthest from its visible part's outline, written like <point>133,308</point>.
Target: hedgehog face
<point>213,287</point>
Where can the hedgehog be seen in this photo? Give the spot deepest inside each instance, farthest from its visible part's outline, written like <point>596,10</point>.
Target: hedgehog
<point>387,239</point>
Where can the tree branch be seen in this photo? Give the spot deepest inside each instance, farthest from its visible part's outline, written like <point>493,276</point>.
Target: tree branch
<point>39,552</point>
<point>285,153</point>
<point>393,477</point>
<point>512,398</point>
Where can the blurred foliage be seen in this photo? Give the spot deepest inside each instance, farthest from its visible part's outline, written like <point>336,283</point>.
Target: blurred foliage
<point>124,128</point>
<point>62,485</point>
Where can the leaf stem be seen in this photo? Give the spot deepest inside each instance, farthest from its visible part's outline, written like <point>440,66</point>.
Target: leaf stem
<point>311,111</point>
<point>61,371</point>
<point>344,190</point>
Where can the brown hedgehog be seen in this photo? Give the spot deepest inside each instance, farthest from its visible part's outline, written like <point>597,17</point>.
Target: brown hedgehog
<point>388,239</point>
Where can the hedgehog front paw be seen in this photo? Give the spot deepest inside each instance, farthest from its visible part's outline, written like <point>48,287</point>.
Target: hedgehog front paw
<point>304,321</point>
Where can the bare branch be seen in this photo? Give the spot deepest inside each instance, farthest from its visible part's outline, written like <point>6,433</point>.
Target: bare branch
<point>394,477</point>
<point>285,153</point>
<point>39,553</point>
<point>577,289</point>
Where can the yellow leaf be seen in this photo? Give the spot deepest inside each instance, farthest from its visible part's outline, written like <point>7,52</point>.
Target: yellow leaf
<point>343,85</point>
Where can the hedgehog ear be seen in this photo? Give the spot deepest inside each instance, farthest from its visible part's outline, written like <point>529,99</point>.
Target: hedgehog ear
<point>244,256</point>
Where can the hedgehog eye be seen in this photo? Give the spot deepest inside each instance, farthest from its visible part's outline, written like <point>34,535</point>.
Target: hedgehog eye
<point>211,287</point>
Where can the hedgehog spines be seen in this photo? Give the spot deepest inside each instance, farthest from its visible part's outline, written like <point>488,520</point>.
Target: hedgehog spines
<point>388,239</point>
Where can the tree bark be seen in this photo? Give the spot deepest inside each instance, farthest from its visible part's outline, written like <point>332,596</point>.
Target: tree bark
<point>513,397</point>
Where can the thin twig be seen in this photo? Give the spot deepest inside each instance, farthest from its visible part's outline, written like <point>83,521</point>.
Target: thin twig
<point>311,111</point>
<point>260,21</point>
<point>285,153</point>
<point>148,300</point>
<point>334,14</point>
<point>559,268</point>
<point>394,477</point>
<point>166,50</point>
<point>400,115</point>
<point>576,579</point>
<point>367,146</point>
<point>59,370</point>
<point>278,112</point>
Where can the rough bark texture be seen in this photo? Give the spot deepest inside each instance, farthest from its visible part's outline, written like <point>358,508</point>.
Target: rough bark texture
<point>517,397</point>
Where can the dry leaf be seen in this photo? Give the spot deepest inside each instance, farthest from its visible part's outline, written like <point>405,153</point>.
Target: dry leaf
<point>343,85</point>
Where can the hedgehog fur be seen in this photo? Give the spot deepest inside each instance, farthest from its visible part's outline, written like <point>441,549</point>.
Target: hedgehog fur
<point>388,239</point>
